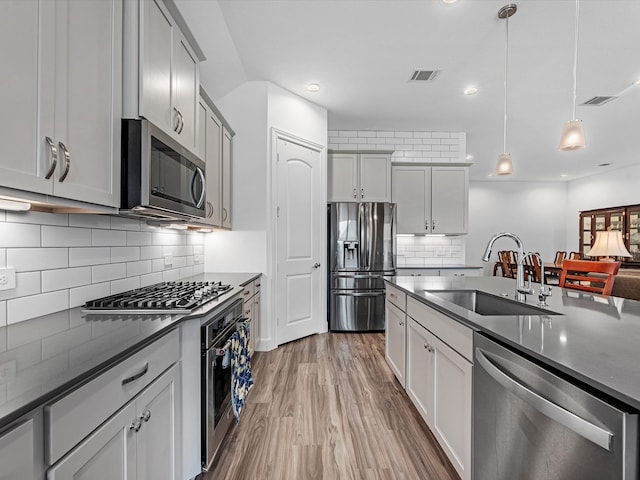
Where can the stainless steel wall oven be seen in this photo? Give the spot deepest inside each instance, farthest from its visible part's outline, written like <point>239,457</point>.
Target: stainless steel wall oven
<point>217,414</point>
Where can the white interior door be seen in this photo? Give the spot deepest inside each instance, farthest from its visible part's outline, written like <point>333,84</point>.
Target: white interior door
<point>300,294</point>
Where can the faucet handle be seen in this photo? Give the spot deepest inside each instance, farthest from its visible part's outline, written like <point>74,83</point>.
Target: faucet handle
<point>542,296</point>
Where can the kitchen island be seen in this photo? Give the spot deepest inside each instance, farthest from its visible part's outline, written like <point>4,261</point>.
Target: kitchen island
<point>584,340</point>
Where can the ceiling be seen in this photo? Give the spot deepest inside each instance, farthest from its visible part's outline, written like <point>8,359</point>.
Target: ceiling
<point>362,53</point>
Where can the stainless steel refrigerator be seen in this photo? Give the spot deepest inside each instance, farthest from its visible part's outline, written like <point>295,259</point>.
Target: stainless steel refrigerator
<point>361,252</point>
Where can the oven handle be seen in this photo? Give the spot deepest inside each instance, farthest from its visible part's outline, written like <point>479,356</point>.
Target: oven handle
<point>221,352</point>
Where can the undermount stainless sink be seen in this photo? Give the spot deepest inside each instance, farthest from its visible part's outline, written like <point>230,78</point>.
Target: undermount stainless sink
<point>486,304</point>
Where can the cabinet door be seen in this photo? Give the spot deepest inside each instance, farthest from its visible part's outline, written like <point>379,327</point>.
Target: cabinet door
<point>449,199</point>
<point>158,443</point>
<point>17,456</point>
<point>214,168</point>
<point>21,164</point>
<point>452,382</point>
<point>156,37</point>
<point>420,369</point>
<point>411,193</point>
<point>186,86</point>
<point>88,99</point>
<point>395,320</point>
<point>633,233</point>
<point>107,454</point>
<point>343,178</point>
<point>375,177</point>
<point>227,153</point>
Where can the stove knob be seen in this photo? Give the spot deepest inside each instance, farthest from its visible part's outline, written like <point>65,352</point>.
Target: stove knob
<point>198,294</point>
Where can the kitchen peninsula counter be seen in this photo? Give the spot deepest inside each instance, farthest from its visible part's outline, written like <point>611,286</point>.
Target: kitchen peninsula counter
<point>50,356</point>
<point>592,339</point>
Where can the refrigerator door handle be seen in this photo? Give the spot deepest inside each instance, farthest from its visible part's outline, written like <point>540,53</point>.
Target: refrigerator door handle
<point>352,293</point>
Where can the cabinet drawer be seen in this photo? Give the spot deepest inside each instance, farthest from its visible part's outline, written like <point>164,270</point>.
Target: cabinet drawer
<point>74,416</point>
<point>397,297</point>
<point>454,334</point>
<point>247,291</point>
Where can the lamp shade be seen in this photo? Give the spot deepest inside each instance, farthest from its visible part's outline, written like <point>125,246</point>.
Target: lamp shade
<point>608,244</point>
<point>572,136</point>
<point>505,164</point>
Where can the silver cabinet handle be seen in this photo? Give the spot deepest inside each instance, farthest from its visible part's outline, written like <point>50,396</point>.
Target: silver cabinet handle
<point>54,157</point>
<point>176,124</point>
<point>181,122</point>
<point>351,293</point>
<point>355,193</point>
<point>362,192</point>
<point>135,377</point>
<point>582,427</point>
<point>393,295</point>
<point>67,161</point>
<point>426,224</point>
<point>199,201</point>
<point>135,426</point>
<point>224,214</point>
<point>146,415</point>
<point>316,265</point>
<point>433,225</point>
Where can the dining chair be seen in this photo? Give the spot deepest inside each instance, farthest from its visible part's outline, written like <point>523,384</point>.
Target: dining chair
<point>575,256</point>
<point>508,262</point>
<point>560,256</point>
<point>533,270</point>
<point>588,276</point>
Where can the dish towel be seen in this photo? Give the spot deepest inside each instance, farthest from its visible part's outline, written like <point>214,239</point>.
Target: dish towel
<point>241,380</point>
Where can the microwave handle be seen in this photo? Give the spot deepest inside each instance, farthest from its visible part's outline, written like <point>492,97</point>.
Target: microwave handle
<point>198,203</point>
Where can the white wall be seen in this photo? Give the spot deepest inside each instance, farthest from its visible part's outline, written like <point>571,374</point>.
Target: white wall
<point>535,211</point>
<point>612,189</point>
<point>253,110</point>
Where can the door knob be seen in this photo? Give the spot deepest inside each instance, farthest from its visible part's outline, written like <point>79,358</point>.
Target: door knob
<point>316,265</point>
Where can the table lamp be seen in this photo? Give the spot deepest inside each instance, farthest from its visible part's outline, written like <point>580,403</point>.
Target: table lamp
<point>608,244</point>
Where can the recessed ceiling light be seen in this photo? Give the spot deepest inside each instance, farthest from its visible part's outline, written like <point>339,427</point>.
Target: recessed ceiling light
<point>449,2</point>
<point>469,157</point>
<point>564,175</point>
<point>470,90</point>
<point>490,175</point>
<point>637,82</point>
<point>313,87</point>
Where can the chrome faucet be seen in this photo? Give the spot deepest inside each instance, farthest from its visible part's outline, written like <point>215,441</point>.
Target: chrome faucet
<point>543,294</point>
<point>522,288</point>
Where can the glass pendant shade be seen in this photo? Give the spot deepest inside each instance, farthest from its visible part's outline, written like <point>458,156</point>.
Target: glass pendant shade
<point>572,136</point>
<point>505,164</point>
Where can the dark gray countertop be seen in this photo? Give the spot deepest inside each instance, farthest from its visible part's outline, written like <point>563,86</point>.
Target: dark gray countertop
<point>440,267</point>
<point>594,339</point>
<point>51,355</point>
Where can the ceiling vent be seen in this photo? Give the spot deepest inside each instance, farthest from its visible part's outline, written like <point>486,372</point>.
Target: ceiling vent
<point>597,101</point>
<point>424,75</point>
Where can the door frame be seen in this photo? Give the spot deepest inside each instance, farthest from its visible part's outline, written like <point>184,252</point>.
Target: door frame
<point>268,340</point>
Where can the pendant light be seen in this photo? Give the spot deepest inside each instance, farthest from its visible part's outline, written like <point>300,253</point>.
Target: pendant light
<point>573,132</point>
<point>505,163</point>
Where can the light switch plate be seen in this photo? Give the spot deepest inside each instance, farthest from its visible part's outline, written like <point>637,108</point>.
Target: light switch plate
<point>7,278</point>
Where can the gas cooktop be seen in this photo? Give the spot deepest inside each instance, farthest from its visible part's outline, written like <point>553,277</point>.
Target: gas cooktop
<point>165,297</point>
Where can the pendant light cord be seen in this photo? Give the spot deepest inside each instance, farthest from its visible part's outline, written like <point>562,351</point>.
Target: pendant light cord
<point>506,61</point>
<point>575,61</point>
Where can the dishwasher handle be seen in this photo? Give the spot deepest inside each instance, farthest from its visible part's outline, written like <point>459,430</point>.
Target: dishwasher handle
<point>601,437</point>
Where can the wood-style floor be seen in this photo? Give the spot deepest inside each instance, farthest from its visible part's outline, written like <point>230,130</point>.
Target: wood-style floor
<point>329,407</point>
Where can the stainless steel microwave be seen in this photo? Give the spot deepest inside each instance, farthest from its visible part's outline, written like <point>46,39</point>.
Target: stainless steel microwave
<point>160,178</point>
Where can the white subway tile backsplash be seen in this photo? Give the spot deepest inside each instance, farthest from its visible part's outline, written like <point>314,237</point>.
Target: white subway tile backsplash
<point>167,238</point>
<point>198,269</point>
<point>3,313</point>
<point>186,272</point>
<point>138,268</point>
<point>19,235</point>
<point>65,237</point>
<point>3,257</point>
<point>151,252</point>
<point>79,257</point>
<point>150,279</point>
<point>157,265</point>
<point>31,259</point>
<point>118,286</point>
<point>366,133</point>
<point>78,296</point>
<point>421,134</point>
<point>440,135</point>
<point>404,134</point>
<point>90,221</point>
<point>108,238</point>
<point>65,278</point>
<point>179,262</point>
<point>25,308</point>
<point>26,284</point>
<point>39,218</point>
<point>171,275</point>
<point>121,223</point>
<point>125,254</point>
<point>347,133</point>
<point>104,273</point>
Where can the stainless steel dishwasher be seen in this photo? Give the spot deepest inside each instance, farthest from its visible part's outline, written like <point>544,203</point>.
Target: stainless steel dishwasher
<point>529,423</point>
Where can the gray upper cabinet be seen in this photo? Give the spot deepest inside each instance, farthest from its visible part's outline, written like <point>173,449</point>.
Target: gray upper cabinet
<point>359,177</point>
<point>431,200</point>
<point>161,78</point>
<point>62,104</point>
<point>215,145</point>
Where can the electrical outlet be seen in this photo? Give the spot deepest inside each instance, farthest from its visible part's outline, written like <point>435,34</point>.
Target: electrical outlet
<point>197,258</point>
<point>7,278</point>
<point>168,259</point>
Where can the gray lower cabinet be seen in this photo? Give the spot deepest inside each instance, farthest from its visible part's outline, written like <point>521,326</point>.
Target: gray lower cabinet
<point>141,441</point>
<point>17,454</point>
<point>251,310</point>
